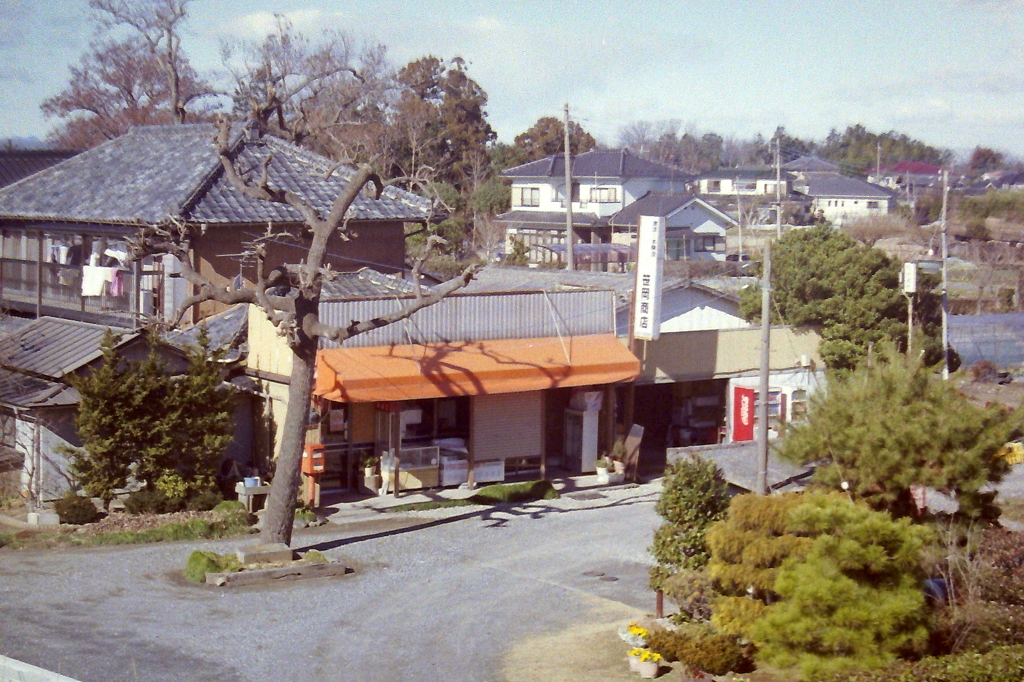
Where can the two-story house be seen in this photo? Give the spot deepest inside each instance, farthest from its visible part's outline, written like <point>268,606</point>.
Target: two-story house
<point>603,183</point>
<point>694,229</point>
<point>730,182</point>
<point>65,231</point>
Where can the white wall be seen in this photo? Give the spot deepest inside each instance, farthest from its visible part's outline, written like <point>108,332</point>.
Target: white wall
<point>841,210</point>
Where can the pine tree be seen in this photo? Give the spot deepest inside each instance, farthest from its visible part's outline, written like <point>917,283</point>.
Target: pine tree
<point>894,424</point>
<point>854,598</point>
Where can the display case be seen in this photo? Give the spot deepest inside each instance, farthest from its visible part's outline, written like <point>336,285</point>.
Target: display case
<point>417,468</point>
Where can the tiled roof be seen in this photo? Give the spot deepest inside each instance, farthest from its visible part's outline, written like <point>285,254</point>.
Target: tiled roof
<point>809,162</point>
<point>52,347</point>
<point>915,168</point>
<point>22,390</point>
<point>152,173</point>
<point>612,163</point>
<point>659,204</point>
<point>16,164</point>
<point>227,329</point>
<point>365,283</point>
<point>835,185</point>
<point>548,219</point>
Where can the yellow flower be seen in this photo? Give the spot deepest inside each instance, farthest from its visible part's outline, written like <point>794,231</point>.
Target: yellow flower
<point>636,652</point>
<point>650,656</point>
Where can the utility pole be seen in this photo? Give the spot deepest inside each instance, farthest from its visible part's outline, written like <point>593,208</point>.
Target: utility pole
<point>739,222</point>
<point>570,257</point>
<point>878,159</point>
<point>762,406</point>
<point>778,188</point>
<point>945,286</point>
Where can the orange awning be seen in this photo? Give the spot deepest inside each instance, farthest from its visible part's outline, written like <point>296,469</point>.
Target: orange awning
<point>437,370</point>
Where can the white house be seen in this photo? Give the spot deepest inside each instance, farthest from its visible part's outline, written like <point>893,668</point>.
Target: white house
<point>842,200</point>
<point>603,183</point>
<point>729,182</point>
<point>694,229</point>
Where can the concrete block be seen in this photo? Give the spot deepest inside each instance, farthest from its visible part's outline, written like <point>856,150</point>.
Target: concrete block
<point>43,519</point>
<point>283,574</point>
<point>265,554</point>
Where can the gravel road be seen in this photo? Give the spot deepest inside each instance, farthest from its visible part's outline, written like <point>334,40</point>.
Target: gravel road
<point>467,593</point>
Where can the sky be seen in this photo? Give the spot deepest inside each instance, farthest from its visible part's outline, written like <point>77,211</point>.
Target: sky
<point>947,72</point>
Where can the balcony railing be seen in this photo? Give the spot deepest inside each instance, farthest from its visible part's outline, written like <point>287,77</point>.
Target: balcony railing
<point>60,287</point>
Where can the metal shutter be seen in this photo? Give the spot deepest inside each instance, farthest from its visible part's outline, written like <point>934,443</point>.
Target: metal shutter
<point>508,425</point>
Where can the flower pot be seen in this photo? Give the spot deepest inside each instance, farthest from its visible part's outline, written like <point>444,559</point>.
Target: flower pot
<point>620,467</point>
<point>368,472</point>
<point>634,663</point>
<point>616,478</point>
<point>602,475</point>
<point>647,669</point>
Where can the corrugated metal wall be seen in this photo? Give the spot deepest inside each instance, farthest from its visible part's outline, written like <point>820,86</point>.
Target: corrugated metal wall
<point>479,317</point>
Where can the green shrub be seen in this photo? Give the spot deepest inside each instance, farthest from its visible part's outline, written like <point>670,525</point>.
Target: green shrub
<point>736,615</point>
<point>315,557</point>
<point>693,592</point>
<point>75,509</point>
<point>229,506</point>
<point>854,599</point>
<point>5,540</point>
<point>205,500</point>
<point>307,515</point>
<point>200,563</point>
<point>978,627</point>
<point>1005,664</point>
<point>151,502</point>
<point>748,547</point>
<point>699,649</point>
<point>509,493</point>
<point>694,496</point>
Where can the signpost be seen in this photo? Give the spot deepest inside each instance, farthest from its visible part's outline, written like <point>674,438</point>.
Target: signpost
<point>650,259</point>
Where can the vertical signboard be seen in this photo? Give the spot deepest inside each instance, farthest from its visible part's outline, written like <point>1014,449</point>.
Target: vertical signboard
<point>742,414</point>
<point>650,258</point>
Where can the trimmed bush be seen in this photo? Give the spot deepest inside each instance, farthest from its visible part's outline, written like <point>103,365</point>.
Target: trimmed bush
<point>229,506</point>
<point>1005,664</point>
<point>205,500</point>
<point>693,592</point>
<point>736,615</point>
<point>699,649</point>
<point>693,497</point>
<point>200,563</point>
<point>151,502</point>
<point>509,493</point>
<point>76,510</point>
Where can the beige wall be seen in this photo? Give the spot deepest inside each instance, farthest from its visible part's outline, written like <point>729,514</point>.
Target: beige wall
<point>268,351</point>
<point>720,354</point>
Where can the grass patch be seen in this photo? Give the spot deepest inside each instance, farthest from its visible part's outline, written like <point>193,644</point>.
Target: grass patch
<point>502,493</point>
<point>195,529</point>
<point>200,563</point>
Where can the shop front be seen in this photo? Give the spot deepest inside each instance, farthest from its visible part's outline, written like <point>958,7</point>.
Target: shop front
<point>445,414</point>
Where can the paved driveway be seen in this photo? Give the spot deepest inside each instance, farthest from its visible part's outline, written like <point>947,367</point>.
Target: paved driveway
<point>459,594</point>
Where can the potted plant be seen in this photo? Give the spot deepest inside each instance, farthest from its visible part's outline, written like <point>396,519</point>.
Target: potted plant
<point>648,663</point>
<point>602,471</point>
<point>618,456</point>
<point>370,465</point>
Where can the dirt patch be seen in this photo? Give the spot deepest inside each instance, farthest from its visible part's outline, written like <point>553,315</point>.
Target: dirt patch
<point>118,522</point>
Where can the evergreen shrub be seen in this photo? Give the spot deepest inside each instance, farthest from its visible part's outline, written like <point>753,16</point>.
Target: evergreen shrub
<point>200,563</point>
<point>1004,664</point>
<point>152,502</point>
<point>205,500</point>
<point>75,509</point>
<point>699,649</point>
<point>694,496</point>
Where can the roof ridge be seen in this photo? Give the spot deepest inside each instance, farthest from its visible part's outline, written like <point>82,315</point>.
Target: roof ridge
<point>211,176</point>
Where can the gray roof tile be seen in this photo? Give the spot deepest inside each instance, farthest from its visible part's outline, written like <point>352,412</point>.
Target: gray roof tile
<point>365,283</point>
<point>611,163</point>
<point>835,185</point>
<point>52,347</point>
<point>16,164</point>
<point>155,172</point>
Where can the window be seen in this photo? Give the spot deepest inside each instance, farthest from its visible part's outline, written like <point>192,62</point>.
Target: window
<point>872,204</point>
<point>526,196</point>
<point>675,249</point>
<point>714,185</point>
<point>705,244</point>
<point>604,195</point>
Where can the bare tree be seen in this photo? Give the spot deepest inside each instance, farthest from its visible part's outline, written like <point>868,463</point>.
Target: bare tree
<point>142,78</point>
<point>298,88</point>
<point>158,24</point>
<point>994,261</point>
<point>296,316</point>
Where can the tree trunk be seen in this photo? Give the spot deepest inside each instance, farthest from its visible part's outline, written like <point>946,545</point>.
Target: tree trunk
<point>280,514</point>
